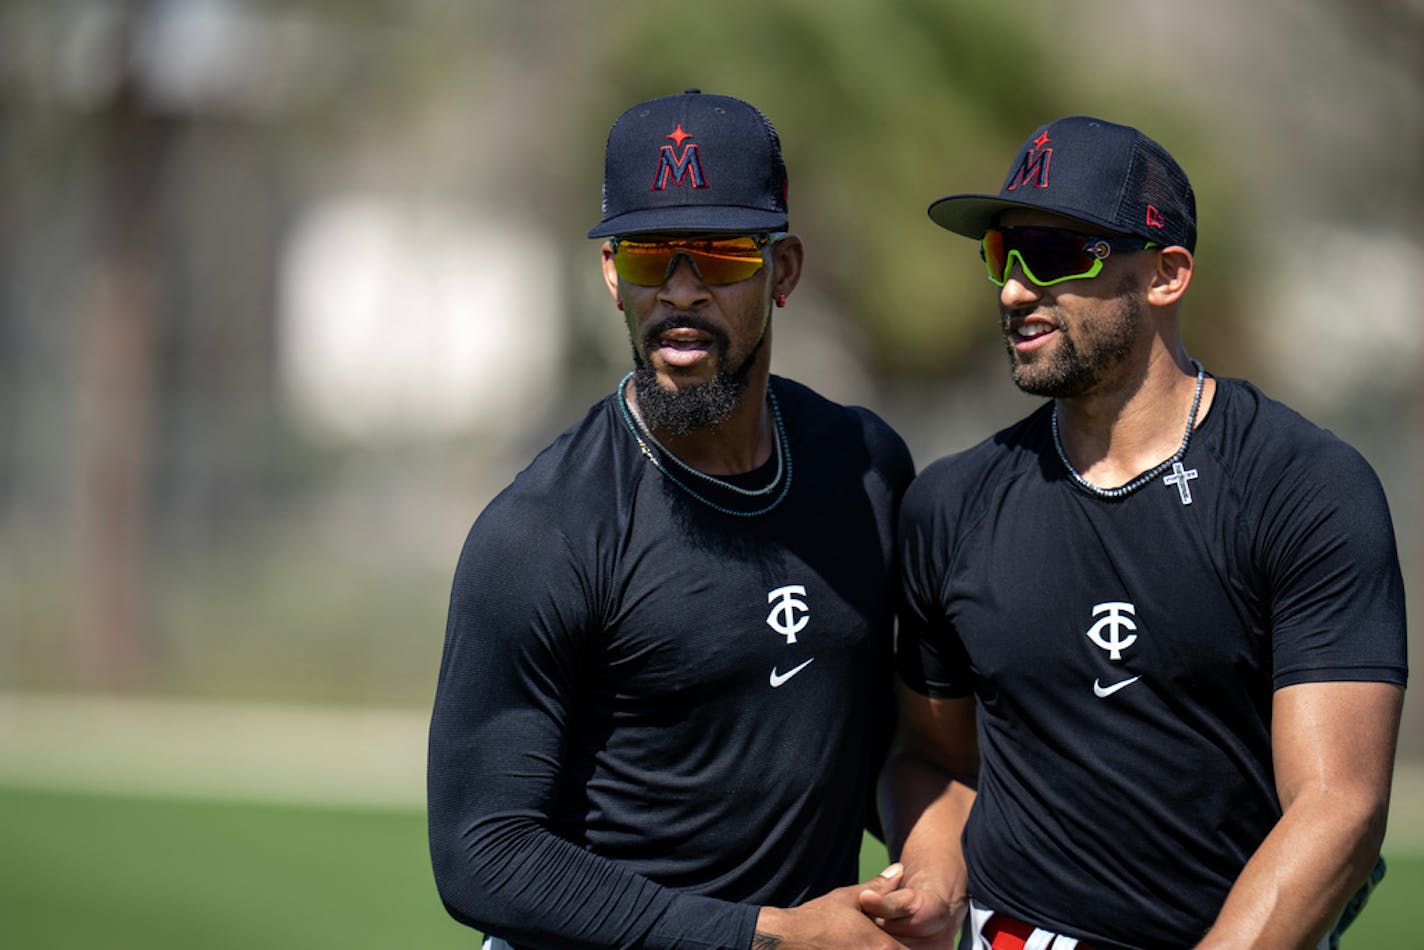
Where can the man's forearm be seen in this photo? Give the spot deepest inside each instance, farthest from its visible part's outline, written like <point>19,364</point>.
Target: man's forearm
<point>925,809</point>
<point>1293,888</point>
<point>1333,752</point>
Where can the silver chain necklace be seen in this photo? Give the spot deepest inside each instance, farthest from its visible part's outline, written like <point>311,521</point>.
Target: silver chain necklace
<point>1145,477</point>
<point>639,428</point>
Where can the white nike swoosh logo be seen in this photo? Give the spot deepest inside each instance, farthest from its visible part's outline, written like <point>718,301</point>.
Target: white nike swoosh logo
<point>779,678</point>
<point>1104,691</point>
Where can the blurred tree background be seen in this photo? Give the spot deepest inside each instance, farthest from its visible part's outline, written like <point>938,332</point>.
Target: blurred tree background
<point>288,290</point>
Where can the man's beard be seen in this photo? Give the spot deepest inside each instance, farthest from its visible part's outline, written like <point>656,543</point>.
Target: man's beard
<point>680,411</point>
<point>1073,371</point>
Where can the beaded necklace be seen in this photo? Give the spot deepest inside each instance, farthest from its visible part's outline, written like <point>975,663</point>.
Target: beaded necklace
<point>1145,477</point>
<point>781,447</point>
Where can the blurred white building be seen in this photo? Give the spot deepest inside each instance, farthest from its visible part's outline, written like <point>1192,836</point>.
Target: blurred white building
<point>397,317</point>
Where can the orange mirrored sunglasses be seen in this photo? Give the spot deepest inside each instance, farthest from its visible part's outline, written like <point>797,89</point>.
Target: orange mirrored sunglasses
<point>728,259</point>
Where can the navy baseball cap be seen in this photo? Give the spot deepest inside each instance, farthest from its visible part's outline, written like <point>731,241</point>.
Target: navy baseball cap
<point>1099,172</point>
<point>692,162</point>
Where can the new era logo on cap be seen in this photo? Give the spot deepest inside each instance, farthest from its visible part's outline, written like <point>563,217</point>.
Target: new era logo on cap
<point>1099,172</point>
<point>693,162</point>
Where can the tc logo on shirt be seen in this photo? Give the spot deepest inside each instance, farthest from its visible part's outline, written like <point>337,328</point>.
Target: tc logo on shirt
<point>1107,633</point>
<point>789,614</point>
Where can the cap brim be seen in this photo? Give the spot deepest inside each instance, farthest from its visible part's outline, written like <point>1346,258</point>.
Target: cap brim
<point>720,218</point>
<point>972,215</point>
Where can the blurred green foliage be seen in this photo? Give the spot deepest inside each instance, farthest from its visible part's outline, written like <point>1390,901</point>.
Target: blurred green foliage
<point>271,561</point>
<point>884,107</point>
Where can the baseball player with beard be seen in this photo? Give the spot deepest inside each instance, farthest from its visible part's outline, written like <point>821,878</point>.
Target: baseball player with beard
<point>665,690</point>
<point>1153,641</point>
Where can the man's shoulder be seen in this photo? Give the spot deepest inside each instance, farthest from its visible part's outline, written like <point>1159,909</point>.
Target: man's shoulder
<point>816,409</point>
<point>993,461</point>
<point>823,421</point>
<point>1258,431</point>
<point>958,490</point>
<point>572,472</point>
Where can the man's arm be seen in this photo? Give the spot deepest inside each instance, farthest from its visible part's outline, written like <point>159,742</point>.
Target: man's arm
<point>509,674</point>
<point>1333,749</point>
<point>832,921</point>
<point>926,792</point>
<point>512,666</point>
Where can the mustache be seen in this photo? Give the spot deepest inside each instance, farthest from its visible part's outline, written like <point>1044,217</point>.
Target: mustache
<point>678,321</point>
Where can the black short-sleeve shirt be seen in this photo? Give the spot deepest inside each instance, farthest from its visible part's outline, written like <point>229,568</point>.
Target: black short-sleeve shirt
<point>1123,654</point>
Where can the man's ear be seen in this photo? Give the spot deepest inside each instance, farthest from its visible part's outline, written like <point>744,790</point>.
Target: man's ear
<point>1171,276</point>
<point>786,257</point>
<point>610,274</point>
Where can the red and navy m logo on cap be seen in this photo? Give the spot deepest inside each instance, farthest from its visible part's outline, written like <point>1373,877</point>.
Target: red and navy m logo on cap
<point>1033,167</point>
<point>687,165</point>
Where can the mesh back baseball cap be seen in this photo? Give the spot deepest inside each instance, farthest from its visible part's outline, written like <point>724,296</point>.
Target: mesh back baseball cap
<point>1100,172</point>
<point>692,162</point>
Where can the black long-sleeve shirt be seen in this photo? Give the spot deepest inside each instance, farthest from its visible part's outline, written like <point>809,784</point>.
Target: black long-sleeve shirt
<point>652,716</point>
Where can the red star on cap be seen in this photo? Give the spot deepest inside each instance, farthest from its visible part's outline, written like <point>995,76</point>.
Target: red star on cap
<point>678,135</point>
<point>1042,139</point>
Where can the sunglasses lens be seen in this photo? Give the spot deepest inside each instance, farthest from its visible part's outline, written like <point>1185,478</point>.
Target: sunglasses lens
<point>717,260</point>
<point>1047,255</point>
<point>995,255</point>
<point>1060,255</point>
<point>643,264</point>
<point>726,261</point>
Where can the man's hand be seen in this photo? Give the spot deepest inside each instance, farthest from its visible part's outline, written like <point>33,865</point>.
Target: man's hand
<point>920,917</point>
<point>833,921</point>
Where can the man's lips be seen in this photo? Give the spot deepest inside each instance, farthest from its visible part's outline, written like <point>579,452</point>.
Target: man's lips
<point>1026,334</point>
<point>684,337</point>
<point>684,346</point>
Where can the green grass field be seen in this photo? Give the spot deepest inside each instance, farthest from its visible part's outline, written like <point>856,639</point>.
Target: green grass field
<point>86,871</point>
<point>122,873</point>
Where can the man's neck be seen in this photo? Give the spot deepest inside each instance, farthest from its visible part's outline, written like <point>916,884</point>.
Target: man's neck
<point>740,443</point>
<point>1113,436</point>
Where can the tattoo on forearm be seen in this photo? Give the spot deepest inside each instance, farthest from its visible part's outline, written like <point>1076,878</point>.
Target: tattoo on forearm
<point>764,941</point>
